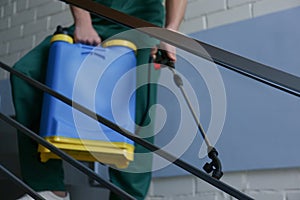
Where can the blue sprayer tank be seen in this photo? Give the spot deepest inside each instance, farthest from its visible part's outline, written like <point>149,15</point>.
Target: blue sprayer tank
<point>101,79</point>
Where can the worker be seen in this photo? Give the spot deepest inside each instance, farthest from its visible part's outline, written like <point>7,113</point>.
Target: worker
<point>48,178</point>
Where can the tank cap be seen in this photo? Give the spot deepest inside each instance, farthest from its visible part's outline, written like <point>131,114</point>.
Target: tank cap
<point>60,30</point>
<point>120,42</point>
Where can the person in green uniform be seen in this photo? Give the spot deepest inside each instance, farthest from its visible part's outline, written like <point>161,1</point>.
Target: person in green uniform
<point>48,178</point>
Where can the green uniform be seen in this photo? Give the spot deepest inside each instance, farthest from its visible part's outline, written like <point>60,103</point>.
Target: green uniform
<point>28,101</point>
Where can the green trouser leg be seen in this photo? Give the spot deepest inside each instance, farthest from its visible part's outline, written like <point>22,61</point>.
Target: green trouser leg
<point>28,102</point>
<point>136,179</point>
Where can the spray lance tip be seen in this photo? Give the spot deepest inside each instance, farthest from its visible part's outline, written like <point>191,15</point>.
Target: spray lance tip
<point>215,165</point>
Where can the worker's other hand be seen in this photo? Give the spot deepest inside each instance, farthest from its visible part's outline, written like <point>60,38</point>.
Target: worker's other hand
<point>86,34</point>
<point>171,50</point>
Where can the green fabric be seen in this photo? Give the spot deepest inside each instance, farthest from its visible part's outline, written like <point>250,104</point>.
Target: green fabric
<point>28,101</point>
<point>137,180</point>
<point>148,10</point>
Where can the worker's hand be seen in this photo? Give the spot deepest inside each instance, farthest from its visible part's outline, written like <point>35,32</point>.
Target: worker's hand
<point>171,51</point>
<point>86,34</point>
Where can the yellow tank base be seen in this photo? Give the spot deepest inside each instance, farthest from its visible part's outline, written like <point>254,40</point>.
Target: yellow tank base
<point>117,154</point>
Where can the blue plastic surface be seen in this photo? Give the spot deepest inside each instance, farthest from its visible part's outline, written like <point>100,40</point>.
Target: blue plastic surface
<point>89,76</point>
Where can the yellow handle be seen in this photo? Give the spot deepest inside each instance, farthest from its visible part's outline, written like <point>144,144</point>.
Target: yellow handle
<point>62,37</point>
<point>120,42</point>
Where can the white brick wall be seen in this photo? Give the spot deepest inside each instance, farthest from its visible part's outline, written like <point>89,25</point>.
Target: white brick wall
<point>24,23</point>
<point>261,185</point>
<point>212,13</point>
<point>262,7</point>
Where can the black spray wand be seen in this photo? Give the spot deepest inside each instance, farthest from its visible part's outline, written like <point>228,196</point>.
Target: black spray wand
<point>215,166</point>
